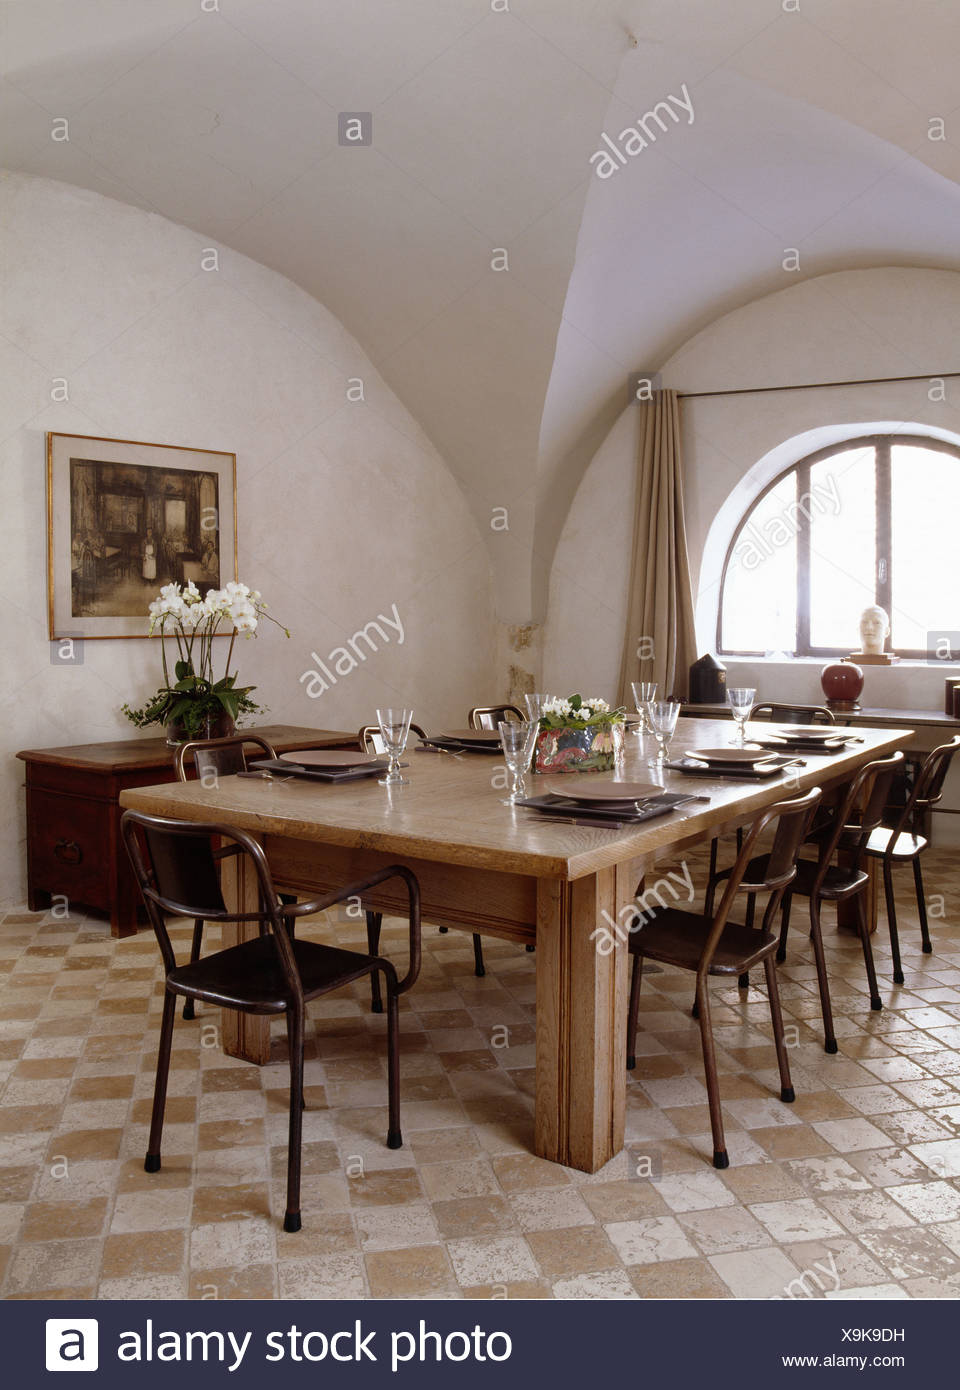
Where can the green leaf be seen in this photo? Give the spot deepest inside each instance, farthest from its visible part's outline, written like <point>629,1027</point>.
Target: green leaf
<point>182,669</point>
<point>575,702</point>
<point>230,701</point>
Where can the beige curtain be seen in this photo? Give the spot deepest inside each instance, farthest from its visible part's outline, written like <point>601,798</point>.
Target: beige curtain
<point>660,642</point>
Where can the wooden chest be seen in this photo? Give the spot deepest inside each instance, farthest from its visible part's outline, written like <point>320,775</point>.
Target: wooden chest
<point>74,848</point>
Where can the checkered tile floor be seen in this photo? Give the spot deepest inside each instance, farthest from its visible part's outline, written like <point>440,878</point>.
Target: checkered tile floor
<point>853,1192</point>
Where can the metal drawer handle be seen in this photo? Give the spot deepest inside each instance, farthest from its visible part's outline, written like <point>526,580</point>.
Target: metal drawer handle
<point>68,852</point>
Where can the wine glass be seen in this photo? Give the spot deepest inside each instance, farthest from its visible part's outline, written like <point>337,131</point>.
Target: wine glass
<point>517,741</point>
<point>741,700</point>
<point>534,703</point>
<point>643,693</point>
<point>663,715</point>
<point>395,729</point>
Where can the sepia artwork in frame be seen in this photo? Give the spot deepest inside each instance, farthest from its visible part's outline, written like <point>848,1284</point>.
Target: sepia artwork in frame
<point>125,518</point>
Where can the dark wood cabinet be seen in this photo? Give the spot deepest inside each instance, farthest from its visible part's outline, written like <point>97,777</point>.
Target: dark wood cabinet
<point>73,815</point>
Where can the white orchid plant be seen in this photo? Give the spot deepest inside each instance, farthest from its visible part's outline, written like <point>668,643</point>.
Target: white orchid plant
<point>193,620</point>
<point>577,713</point>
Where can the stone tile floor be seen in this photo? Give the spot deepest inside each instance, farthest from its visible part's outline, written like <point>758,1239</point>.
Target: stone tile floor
<point>852,1192</point>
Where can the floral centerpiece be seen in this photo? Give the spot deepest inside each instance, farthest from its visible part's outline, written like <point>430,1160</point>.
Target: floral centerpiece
<point>578,735</point>
<point>196,704</point>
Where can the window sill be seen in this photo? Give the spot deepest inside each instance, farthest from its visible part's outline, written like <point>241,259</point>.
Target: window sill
<point>904,663</point>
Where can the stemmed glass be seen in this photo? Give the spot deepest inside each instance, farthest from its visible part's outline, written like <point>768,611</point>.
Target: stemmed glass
<point>643,693</point>
<point>663,715</point>
<point>741,701</point>
<point>534,703</point>
<point>517,741</point>
<point>395,729</point>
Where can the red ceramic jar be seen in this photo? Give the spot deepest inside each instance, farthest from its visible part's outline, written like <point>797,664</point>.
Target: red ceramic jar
<point>842,684</point>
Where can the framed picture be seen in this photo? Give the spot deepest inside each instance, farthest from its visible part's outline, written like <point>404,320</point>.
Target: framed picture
<point>125,518</point>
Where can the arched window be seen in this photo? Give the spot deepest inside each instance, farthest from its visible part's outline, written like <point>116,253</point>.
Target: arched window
<point>870,520</point>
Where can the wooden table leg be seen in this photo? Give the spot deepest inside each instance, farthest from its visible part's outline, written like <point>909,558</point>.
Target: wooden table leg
<point>243,1035</point>
<point>847,911</point>
<point>581,1021</point>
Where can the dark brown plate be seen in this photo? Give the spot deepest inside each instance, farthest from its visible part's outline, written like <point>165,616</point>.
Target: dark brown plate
<point>338,758</point>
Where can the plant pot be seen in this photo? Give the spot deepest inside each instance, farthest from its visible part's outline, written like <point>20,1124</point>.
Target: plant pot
<point>213,726</point>
<point>597,748</point>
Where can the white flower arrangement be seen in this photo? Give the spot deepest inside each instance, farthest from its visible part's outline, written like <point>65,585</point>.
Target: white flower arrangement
<point>193,620</point>
<point>575,712</point>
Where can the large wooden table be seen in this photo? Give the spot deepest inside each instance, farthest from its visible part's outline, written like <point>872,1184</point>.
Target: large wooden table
<point>498,870</point>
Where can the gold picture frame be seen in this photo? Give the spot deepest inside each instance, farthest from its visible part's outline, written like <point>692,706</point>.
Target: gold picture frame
<point>125,517</point>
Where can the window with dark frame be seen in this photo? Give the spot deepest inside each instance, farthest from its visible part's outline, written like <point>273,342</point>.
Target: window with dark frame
<point>869,520</point>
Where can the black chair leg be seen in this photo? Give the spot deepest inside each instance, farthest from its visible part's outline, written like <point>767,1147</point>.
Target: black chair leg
<point>636,979</point>
<point>720,1158</point>
<point>478,967</point>
<point>292,1220</point>
<point>876,1003</point>
<point>922,908</point>
<point>826,1009</point>
<point>374,923</point>
<point>196,943</point>
<point>892,922</point>
<point>394,1136</point>
<point>711,880</point>
<point>784,926</point>
<point>776,1014</point>
<point>151,1163</point>
<point>743,982</point>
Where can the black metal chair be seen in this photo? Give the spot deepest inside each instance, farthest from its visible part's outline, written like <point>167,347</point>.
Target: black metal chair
<point>903,844</point>
<point>218,757</point>
<point>212,759</point>
<point>175,864</point>
<point>489,716</point>
<point>822,880</point>
<point>781,714</point>
<point>713,945</point>
<point>793,714</point>
<point>371,739</point>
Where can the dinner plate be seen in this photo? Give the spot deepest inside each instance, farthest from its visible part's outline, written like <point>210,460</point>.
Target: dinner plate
<point>753,771</point>
<point>730,755</point>
<point>472,735</point>
<point>795,732</point>
<point>607,792</point>
<point>333,758</point>
<point>812,745</point>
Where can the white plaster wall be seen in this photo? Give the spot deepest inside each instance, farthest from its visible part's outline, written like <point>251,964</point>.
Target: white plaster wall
<point>344,509</point>
<point>885,322</point>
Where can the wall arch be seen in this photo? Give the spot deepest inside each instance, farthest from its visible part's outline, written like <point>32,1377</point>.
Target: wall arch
<point>345,508</point>
<point>883,322</point>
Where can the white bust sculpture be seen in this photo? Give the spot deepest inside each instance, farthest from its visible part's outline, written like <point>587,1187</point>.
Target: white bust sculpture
<point>874,630</point>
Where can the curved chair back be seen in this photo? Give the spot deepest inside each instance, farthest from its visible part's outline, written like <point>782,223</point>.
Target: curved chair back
<point>927,787</point>
<point>793,820</point>
<point>219,757</point>
<point>371,739</point>
<point>175,865</point>
<point>852,827</point>
<point>489,716</point>
<point>793,714</point>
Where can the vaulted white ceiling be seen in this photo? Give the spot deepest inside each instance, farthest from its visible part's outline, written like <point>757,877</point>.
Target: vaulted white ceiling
<point>812,131</point>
